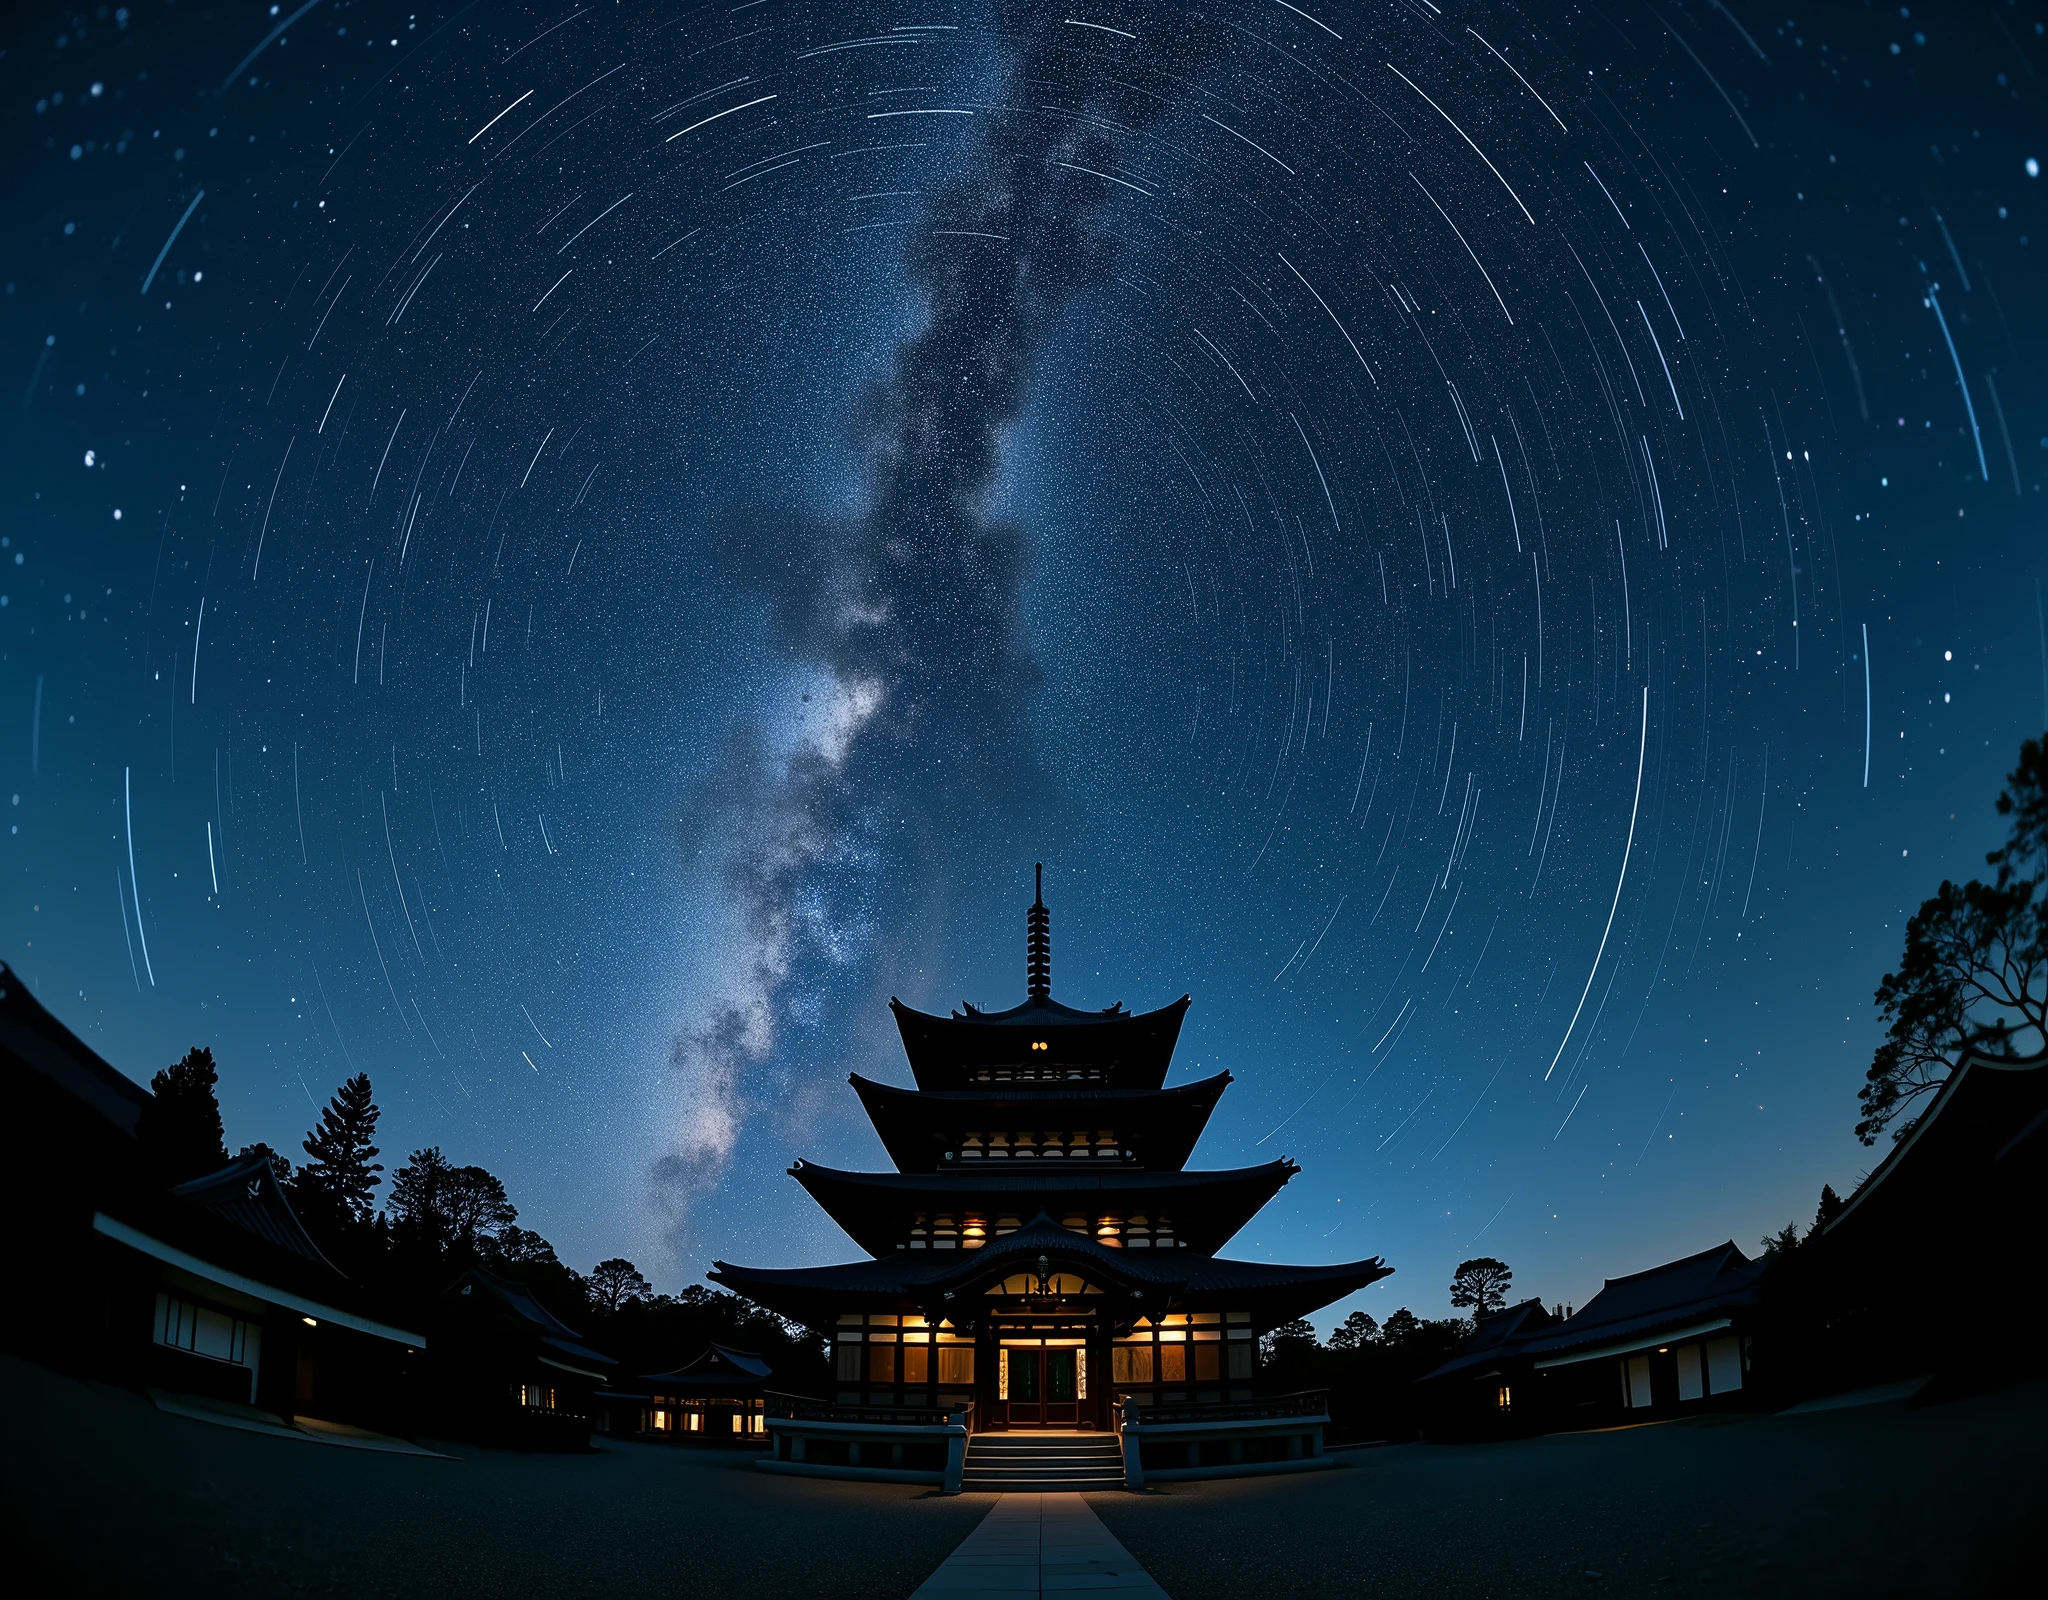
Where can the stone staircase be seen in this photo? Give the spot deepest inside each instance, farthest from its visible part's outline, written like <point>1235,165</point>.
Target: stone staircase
<point>1042,1463</point>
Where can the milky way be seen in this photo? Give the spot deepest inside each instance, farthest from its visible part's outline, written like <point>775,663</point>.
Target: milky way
<point>561,556</point>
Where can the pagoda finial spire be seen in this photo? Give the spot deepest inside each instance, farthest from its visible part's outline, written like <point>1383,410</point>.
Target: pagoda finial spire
<point>1038,943</point>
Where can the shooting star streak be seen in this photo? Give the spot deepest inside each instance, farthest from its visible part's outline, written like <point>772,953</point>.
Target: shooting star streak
<point>1642,748</point>
<point>121,894</point>
<point>1866,705</point>
<point>128,811</point>
<point>1963,383</point>
<point>1490,1221</point>
<point>173,239</point>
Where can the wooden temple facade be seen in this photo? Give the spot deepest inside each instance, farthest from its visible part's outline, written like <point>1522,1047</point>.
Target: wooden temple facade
<point>1043,1258</point>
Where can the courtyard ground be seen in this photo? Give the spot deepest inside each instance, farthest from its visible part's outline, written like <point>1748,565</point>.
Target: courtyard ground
<point>102,1494</point>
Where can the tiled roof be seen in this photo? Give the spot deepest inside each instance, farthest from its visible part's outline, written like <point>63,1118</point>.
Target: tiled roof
<point>245,1194</point>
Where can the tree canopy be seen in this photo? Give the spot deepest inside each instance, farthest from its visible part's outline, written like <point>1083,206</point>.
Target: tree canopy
<point>612,1283</point>
<point>1974,972</point>
<point>180,1126</point>
<point>1289,1339</point>
<point>1481,1284</point>
<point>446,1209</point>
<point>1356,1331</point>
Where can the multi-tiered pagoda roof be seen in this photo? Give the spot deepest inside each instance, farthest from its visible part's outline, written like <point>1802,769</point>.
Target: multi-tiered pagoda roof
<point>1042,1158</point>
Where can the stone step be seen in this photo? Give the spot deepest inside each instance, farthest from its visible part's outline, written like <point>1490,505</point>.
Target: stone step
<point>1045,1464</point>
<point>998,1444</point>
<point>1112,1471</point>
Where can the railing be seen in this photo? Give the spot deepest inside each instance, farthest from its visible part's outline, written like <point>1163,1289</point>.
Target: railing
<point>808,1408</point>
<point>1302,1403</point>
<point>1278,1433</point>
<point>904,1444</point>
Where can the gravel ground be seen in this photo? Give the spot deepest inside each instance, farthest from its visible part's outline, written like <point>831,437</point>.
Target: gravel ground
<point>1878,1500</point>
<point>100,1494</point>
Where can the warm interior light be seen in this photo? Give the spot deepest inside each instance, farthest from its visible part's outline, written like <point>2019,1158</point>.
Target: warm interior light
<point>309,1322</point>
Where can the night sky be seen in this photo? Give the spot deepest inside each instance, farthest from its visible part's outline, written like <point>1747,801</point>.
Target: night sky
<point>560,555</point>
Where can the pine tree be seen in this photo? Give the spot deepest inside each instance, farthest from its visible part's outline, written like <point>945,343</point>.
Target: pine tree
<point>1481,1283</point>
<point>1356,1332</point>
<point>1831,1205</point>
<point>342,1172</point>
<point>181,1125</point>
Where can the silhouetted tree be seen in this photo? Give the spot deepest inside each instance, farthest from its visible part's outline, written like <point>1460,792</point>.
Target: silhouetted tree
<point>1831,1207</point>
<point>1402,1326</point>
<point>341,1174</point>
<point>476,1207</point>
<point>612,1283</point>
<point>1783,1242</point>
<point>1481,1283</point>
<point>522,1247</point>
<point>1291,1341</point>
<point>446,1209</point>
<point>1355,1332</point>
<point>1974,973</point>
<point>522,1254</point>
<point>180,1126</point>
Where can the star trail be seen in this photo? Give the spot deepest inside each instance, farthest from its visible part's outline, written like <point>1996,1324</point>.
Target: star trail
<point>561,555</point>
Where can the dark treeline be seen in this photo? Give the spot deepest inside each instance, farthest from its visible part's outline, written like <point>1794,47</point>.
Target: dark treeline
<point>1370,1367</point>
<point>438,1218</point>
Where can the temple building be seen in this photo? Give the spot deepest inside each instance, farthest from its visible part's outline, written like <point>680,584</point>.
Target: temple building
<point>1042,1257</point>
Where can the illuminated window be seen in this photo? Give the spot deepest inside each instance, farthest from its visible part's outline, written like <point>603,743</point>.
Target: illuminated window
<point>881,1363</point>
<point>738,1422</point>
<point>956,1363</point>
<point>1173,1363</point>
<point>1131,1363</point>
<point>1504,1399</point>
<point>181,1325</point>
<point>917,1363</point>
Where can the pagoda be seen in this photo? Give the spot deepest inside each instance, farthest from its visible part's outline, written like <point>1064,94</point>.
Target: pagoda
<point>1042,1251</point>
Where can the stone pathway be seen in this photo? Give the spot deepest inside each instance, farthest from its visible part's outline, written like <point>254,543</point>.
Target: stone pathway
<point>1038,1544</point>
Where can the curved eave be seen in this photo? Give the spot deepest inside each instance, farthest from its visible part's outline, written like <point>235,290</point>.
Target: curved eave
<point>1276,1293</point>
<point>918,1126</point>
<point>2004,1092</point>
<point>1139,1048</point>
<point>951,1284</point>
<point>1207,1207</point>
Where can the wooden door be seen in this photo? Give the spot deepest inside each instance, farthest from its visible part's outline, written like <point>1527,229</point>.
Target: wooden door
<point>1062,1407</point>
<point>1027,1386</point>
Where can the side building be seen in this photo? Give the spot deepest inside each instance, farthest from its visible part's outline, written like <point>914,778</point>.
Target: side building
<point>1042,1258</point>
<point>208,1295</point>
